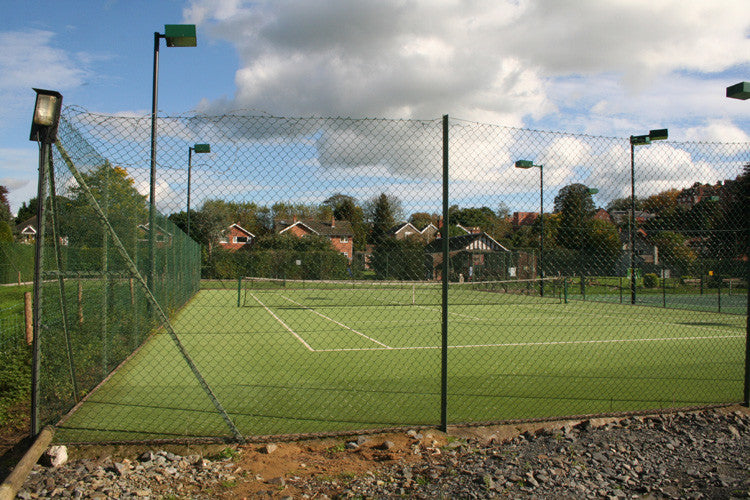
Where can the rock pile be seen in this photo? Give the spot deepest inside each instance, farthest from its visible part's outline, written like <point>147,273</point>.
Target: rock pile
<point>683,455</point>
<point>692,455</point>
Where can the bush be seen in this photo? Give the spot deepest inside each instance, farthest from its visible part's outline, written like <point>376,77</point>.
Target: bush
<point>650,280</point>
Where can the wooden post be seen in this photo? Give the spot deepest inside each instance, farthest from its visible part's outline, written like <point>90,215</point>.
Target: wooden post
<point>28,313</point>
<point>19,278</point>
<point>80,303</point>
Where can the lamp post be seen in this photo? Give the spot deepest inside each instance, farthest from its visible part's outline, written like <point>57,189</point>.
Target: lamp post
<point>526,164</point>
<point>742,91</point>
<point>44,131</point>
<point>198,148</point>
<point>638,140</point>
<point>176,35</point>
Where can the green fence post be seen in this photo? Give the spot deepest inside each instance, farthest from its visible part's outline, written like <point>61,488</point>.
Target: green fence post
<point>446,256</point>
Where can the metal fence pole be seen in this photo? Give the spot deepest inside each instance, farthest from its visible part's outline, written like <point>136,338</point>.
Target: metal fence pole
<point>446,255</point>
<point>44,152</point>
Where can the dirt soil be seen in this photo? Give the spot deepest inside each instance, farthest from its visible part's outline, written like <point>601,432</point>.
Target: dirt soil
<point>14,438</point>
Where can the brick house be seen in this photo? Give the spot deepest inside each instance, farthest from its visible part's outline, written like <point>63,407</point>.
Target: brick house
<point>339,232</point>
<point>235,237</point>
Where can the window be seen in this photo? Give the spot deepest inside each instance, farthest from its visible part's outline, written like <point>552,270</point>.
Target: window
<point>240,239</point>
<point>346,254</point>
<point>344,239</point>
<point>223,240</point>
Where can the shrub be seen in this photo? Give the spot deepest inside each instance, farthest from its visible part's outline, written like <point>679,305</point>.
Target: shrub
<point>650,280</point>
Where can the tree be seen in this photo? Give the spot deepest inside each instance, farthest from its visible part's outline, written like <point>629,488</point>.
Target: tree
<point>345,207</point>
<point>115,192</point>
<point>26,211</point>
<point>624,204</point>
<point>575,206</point>
<point>4,206</point>
<point>400,259</point>
<point>673,250</point>
<point>483,218</point>
<point>382,213</point>
<point>6,233</point>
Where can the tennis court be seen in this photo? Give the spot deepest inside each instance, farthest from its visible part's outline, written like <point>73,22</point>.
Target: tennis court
<point>298,357</point>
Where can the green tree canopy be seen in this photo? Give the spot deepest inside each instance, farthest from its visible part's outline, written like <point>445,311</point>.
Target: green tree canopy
<point>576,207</point>
<point>382,212</point>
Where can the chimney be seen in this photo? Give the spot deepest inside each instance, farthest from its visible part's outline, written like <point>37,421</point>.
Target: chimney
<point>333,222</point>
<point>294,219</point>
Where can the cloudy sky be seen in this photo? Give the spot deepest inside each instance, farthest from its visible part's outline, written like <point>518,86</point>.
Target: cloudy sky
<point>599,67</point>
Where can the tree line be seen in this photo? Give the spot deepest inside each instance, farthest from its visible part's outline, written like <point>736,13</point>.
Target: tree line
<point>577,239</point>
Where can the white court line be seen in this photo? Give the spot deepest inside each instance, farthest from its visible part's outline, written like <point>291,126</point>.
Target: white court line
<point>334,321</point>
<point>282,323</point>
<point>530,344</point>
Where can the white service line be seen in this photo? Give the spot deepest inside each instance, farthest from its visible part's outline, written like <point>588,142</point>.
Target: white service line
<point>282,323</point>
<point>530,344</point>
<point>336,322</point>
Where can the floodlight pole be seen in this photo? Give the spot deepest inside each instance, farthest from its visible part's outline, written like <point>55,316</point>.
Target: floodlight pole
<point>526,164</point>
<point>176,35</point>
<point>742,91</point>
<point>198,148</point>
<point>653,135</point>
<point>44,132</point>
<point>190,167</point>
<point>152,183</point>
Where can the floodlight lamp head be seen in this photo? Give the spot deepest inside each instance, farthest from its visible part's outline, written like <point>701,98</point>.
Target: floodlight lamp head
<point>739,91</point>
<point>202,148</point>
<point>46,116</point>
<point>180,35</point>
<point>658,134</point>
<point>525,164</point>
<point>637,140</point>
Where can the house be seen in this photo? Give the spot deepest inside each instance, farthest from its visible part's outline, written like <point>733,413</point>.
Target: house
<point>235,237</point>
<point>407,230</point>
<point>602,214</point>
<point>339,232</point>
<point>698,192</point>
<point>430,232</point>
<point>403,231</point>
<point>521,219</point>
<point>26,230</point>
<point>645,251</point>
<point>621,217</point>
<point>470,256</point>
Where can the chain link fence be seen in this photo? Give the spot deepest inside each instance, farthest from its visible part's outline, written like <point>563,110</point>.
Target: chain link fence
<point>316,275</point>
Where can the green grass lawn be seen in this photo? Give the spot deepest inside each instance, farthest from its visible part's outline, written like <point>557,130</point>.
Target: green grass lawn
<point>311,359</point>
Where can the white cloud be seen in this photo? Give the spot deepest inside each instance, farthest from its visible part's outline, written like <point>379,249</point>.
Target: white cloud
<point>29,59</point>
<point>20,170</point>
<point>487,60</point>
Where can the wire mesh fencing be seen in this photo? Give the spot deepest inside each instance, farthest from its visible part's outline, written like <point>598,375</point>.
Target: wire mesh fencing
<point>309,275</point>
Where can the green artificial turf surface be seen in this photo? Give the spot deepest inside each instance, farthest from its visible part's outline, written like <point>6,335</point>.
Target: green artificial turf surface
<point>314,360</point>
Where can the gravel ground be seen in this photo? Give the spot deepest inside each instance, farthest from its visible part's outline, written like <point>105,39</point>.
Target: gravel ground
<point>683,455</point>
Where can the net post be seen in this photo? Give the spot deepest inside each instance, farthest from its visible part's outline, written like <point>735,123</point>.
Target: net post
<point>239,291</point>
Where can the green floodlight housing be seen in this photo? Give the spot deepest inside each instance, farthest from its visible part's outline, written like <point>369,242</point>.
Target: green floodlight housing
<point>739,91</point>
<point>46,116</point>
<point>658,134</point>
<point>654,135</point>
<point>202,148</point>
<point>524,164</point>
<point>180,35</point>
<point>593,191</point>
